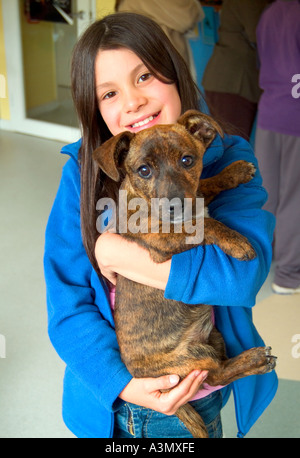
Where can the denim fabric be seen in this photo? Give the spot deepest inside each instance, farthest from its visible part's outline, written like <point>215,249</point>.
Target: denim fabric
<point>135,421</point>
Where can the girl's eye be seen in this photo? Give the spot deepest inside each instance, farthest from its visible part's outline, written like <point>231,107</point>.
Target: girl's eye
<point>187,161</point>
<point>144,171</point>
<point>144,77</point>
<point>109,95</point>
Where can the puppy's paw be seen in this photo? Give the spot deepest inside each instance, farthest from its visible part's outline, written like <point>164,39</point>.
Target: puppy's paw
<point>250,170</point>
<point>241,249</point>
<point>266,362</point>
<point>271,359</point>
<point>258,360</point>
<point>243,171</point>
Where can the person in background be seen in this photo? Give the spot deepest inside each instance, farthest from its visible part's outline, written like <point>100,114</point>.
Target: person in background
<point>230,79</point>
<point>277,144</point>
<point>175,17</point>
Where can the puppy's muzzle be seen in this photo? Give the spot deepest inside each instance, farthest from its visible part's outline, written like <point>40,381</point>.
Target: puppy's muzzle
<point>176,210</point>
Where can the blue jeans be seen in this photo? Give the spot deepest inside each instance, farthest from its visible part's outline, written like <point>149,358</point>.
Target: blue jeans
<point>135,421</point>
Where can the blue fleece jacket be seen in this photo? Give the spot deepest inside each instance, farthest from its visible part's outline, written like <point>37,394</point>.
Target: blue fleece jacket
<point>80,321</point>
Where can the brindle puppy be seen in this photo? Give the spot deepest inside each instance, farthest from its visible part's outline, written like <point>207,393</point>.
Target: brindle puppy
<point>159,336</point>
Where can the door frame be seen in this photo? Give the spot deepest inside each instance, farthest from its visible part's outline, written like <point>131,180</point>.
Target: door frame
<point>18,121</point>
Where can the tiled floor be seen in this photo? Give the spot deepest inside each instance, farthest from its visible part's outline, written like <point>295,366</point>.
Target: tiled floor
<point>31,373</point>
<point>278,320</point>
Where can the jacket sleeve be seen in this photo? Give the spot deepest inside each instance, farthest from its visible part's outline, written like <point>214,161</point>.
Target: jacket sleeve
<point>82,337</point>
<point>205,274</point>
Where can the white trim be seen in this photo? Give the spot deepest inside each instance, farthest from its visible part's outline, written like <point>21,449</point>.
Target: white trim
<point>42,129</point>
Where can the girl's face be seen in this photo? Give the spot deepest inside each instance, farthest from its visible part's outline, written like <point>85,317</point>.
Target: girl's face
<point>129,96</point>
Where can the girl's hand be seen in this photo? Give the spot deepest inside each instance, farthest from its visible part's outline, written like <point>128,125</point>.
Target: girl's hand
<point>146,392</point>
<point>116,255</point>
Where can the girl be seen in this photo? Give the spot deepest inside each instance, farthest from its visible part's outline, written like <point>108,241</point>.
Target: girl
<point>126,75</point>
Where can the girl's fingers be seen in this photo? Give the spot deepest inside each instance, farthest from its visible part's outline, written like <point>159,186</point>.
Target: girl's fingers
<point>196,384</point>
<point>191,384</point>
<point>165,382</point>
<point>182,393</point>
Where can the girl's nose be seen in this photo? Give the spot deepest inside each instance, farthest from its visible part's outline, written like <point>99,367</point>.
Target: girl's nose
<point>134,100</point>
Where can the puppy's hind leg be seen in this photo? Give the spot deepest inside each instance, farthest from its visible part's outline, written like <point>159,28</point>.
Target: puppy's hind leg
<point>254,361</point>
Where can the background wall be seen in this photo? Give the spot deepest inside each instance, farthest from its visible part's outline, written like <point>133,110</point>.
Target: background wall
<point>41,89</point>
<point>104,7</point>
<point>39,62</point>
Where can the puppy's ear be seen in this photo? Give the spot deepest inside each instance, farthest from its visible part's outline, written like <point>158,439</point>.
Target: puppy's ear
<point>201,126</point>
<point>111,154</point>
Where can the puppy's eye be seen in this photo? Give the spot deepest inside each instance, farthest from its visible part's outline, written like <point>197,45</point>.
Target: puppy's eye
<point>187,161</point>
<point>144,171</point>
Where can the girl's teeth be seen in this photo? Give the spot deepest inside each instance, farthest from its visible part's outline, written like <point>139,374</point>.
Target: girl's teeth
<point>142,123</point>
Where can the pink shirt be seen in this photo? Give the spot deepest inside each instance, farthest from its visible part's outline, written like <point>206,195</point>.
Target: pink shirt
<point>206,389</point>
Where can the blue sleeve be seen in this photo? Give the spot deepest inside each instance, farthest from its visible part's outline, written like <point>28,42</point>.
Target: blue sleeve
<point>205,274</point>
<point>76,299</point>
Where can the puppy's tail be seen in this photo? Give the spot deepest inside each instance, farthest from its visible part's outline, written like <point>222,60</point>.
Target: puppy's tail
<point>192,420</point>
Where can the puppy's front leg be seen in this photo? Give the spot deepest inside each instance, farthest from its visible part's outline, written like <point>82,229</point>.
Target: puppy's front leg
<point>162,246</point>
<point>231,176</point>
<point>230,241</point>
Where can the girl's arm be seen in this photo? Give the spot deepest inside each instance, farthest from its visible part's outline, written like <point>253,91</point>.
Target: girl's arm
<point>205,274</point>
<point>116,255</point>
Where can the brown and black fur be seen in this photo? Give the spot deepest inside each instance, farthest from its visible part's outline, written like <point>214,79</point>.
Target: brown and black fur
<point>158,336</point>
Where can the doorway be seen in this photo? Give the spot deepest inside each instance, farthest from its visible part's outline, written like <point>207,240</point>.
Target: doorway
<point>40,44</point>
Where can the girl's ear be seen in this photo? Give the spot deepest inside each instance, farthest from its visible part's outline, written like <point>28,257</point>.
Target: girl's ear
<point>200,125</point>
<point>112,153</point>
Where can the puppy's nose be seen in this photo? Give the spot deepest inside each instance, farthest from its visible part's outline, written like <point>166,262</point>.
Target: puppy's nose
<point>176,209</point>
<point>172,210</point>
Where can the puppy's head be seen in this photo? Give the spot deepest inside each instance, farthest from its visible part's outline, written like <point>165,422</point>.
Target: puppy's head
<point>162,161</point>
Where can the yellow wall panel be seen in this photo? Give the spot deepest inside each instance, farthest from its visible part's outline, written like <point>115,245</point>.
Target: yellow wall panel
<point>4,102</point>
<point>39,62</point>
<point>104,7</point>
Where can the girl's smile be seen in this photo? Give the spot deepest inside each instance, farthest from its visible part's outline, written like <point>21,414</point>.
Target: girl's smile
<point>129,96</point>
<point>144,121</point>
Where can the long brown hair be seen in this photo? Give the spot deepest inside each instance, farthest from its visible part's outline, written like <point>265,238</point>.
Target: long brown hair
<point>146,39</point>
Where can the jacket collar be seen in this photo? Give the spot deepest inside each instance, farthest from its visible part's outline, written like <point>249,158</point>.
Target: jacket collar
<point>72,149</point>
